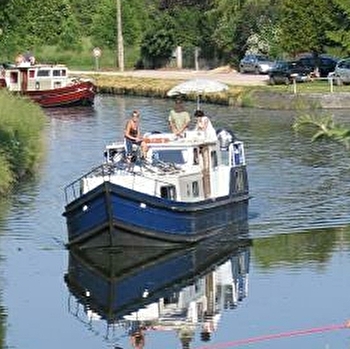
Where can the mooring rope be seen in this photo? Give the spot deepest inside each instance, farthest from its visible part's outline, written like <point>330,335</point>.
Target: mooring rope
<point>304,332</point>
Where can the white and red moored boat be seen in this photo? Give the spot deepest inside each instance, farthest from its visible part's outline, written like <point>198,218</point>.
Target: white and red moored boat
<point>49,85</point>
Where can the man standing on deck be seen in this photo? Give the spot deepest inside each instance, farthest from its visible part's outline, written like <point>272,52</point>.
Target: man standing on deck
<point>179,119</point>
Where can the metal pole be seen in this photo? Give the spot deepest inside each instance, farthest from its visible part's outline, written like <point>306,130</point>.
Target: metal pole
<point>120,37</point>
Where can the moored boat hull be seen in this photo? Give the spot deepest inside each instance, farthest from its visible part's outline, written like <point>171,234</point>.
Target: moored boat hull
<point>79,94</point>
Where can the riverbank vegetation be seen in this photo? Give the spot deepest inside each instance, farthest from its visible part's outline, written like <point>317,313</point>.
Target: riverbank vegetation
<point>21,139</point>
<point>322,127</point>
<point>217,32</point>
<point>264,96</point>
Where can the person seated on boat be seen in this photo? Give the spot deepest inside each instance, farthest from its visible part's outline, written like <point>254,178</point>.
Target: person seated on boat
<point>204,124</point>
<point>179,119</point>
<point>19,59</point>
<point>29,58</point>
<point>132,135</point>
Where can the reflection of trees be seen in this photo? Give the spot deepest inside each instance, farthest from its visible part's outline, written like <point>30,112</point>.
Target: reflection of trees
<point>2,327</point>
<point>297,248</point>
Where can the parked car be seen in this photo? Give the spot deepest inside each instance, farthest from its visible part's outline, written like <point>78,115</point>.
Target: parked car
<point>341,74</point>
<point>284,72</point>
<point>257,64</point>
<point>321,65</point>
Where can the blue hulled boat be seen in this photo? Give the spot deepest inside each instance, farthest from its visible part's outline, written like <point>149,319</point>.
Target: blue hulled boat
<point>185,190</point>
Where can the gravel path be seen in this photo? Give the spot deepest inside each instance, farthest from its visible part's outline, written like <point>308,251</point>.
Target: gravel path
<point>226,76</point>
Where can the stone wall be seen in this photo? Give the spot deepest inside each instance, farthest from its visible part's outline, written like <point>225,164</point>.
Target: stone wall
<point>273,100</point>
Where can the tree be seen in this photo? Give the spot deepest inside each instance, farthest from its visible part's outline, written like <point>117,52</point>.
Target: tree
<point>36,23</point>
<point>340,34</point>
<point>84,11</point>
<point>303,27</point>
<point>134,20</point>
<point>159,42</point>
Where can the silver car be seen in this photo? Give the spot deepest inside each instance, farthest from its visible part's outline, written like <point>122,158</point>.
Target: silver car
<point>341,74</point>
<point>257,64</point>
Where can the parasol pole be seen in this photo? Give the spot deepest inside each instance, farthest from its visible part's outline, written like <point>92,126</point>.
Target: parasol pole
<point>199,97</point>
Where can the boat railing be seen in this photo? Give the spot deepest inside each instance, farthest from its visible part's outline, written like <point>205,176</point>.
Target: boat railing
<point>73,190</point>
<point>104,172</point>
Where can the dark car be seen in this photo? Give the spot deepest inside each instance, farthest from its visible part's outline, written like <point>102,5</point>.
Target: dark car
<point>321,65</point>
<point>285,72</point>
<point>257,64</point>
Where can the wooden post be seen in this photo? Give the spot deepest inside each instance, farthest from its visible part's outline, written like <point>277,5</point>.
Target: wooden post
<point>120,37</point>
<point>196,55</point>
<point>179,57</point>
<point>294,85</point>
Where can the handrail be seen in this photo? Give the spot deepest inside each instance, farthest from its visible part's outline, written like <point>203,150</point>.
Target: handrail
<point>73,190</point>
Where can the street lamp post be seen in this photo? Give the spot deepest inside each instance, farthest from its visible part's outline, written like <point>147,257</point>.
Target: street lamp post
<point>120,37</point>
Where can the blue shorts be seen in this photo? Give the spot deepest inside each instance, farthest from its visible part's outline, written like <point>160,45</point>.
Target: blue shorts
<point>128,145</point>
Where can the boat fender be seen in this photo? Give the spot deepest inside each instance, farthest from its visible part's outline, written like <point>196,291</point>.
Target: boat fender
<point>37,85</point>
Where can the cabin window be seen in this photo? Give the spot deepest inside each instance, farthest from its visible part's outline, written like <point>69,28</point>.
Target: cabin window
<point>43,73</point>
<point>214,158</point>
<point>32,74</point>
<point>225,158</point>
<point>59,72</point>
<point>14,77</point>
<point>168,192</point>
<point>195,189</point>
<point>176,156</point>
<point>188,190</point>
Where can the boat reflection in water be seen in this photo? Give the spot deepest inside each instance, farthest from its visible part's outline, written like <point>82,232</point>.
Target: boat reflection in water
<point>137,290</point>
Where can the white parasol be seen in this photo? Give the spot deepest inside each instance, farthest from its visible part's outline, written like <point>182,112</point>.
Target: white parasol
<point>197,86</point>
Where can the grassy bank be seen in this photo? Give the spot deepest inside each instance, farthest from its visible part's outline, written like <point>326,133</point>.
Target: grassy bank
<point>311,95</point>
<point>147,87</point>
<point>21,139</point>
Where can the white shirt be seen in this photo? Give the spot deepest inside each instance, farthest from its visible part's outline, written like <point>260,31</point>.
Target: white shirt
<point>204,124</point>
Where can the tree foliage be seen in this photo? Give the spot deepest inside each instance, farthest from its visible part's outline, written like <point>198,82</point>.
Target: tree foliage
<point>37,22</point>
<point>104,26</point>
<point>224,30</point>
<point>340,22</point>
<point>303,27</point>
<point>159,42</point>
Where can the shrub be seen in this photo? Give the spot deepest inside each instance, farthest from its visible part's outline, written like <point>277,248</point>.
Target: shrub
<point>21,141</point>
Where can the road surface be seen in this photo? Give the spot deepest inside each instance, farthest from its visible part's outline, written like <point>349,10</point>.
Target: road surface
<point>224,75</point>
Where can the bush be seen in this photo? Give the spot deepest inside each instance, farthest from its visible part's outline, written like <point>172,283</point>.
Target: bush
<point>21,141</point>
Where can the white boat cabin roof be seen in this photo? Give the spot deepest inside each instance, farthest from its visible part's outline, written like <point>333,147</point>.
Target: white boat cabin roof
<point>27,77</point>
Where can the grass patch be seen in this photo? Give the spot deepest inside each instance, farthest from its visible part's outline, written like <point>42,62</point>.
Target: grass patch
<point>21,139</point>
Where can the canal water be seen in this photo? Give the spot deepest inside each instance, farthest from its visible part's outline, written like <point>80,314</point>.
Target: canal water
<point>280,280</point>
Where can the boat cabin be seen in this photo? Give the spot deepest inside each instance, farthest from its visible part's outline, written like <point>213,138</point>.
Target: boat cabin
<point>183,169</point>
<point>25,77</point>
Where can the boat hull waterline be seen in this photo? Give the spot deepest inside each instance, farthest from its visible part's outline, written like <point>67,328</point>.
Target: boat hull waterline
<point>131,217</point>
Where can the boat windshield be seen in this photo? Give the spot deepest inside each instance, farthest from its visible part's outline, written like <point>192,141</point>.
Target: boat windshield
<point>176,156</point>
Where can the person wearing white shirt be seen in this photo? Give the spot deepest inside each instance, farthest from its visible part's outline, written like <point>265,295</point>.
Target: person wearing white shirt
<point>204,124</point>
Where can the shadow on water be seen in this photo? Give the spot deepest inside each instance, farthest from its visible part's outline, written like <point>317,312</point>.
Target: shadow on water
<point>147,289</point>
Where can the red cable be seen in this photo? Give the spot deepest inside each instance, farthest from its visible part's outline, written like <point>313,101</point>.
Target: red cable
<point>277,335</point>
